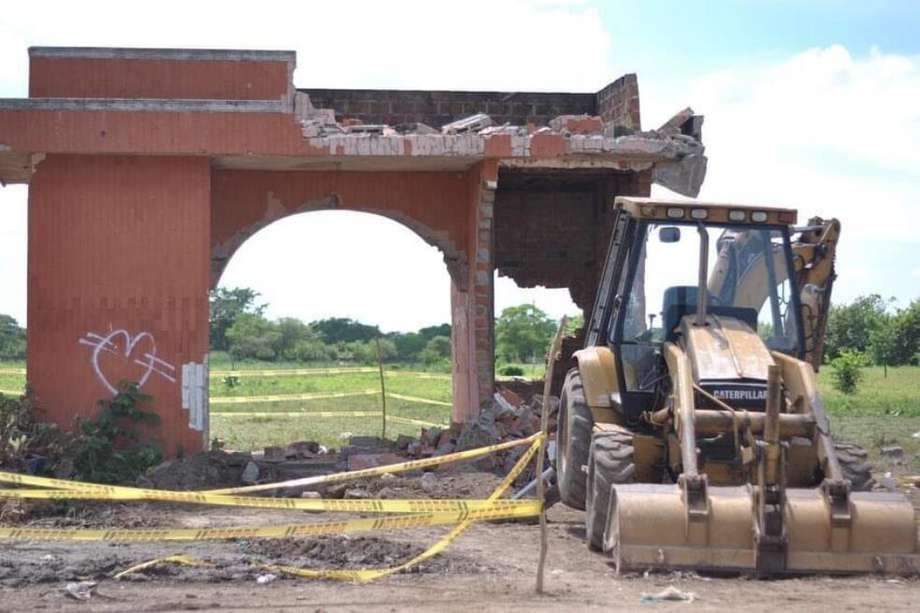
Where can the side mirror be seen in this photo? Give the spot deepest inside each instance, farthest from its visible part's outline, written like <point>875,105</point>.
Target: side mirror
<point>669,234</point>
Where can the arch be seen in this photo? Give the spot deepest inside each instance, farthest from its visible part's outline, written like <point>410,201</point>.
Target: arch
<point>244,202</point>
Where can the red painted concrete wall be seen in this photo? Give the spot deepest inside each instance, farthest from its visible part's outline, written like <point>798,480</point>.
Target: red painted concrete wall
<point>433,204</point>
<point>118,243</point>
<point>81,77</point>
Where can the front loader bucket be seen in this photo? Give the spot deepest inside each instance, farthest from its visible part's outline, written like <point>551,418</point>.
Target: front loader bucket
<point>649,526</point>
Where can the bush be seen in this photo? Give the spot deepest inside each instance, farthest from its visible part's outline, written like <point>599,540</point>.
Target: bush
<point>109,449</point>
<point>511,371</point>
<point>26,444</point>
<point>846,371</point>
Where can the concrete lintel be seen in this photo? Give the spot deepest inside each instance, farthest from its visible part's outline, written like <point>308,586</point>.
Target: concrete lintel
<point>165,105</point>
<point>587,161</point>
<point>129,53</point>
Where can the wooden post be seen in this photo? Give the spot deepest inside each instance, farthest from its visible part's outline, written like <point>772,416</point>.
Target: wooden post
<point>541,455</point>
<point>383,390</point>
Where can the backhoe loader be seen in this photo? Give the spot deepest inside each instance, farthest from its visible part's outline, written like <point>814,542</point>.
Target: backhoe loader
<point>691,430</point>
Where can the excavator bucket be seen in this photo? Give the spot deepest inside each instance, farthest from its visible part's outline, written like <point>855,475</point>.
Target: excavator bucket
<point>651,527</point>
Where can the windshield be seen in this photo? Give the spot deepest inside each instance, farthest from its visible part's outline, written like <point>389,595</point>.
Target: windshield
<point>748,278</point>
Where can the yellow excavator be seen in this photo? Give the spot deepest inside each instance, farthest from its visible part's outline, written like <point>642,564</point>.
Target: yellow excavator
<point>691,430</point>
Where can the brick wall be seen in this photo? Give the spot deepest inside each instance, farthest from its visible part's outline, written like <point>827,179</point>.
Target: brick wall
<point>437,108</point>
<point>552,230</point>
<point>618,103</point>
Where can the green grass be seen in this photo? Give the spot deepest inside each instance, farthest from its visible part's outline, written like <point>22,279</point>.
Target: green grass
<point>882,411</point>
<point>898,394</point>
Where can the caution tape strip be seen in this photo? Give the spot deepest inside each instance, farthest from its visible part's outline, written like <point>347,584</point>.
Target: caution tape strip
<point>380,470</point>
<point>464,513</point>
<point>440,403</point>
<point>421,505</point>
<point>176,559</point>
<point>370,574</point>
<point>288,397</point>
<point>350,526</point>
<point>329,414</point>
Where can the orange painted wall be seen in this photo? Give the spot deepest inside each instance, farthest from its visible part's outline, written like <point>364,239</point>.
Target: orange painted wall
<point>117,243</point>
<point>81,77</point>
<point>434,204</point>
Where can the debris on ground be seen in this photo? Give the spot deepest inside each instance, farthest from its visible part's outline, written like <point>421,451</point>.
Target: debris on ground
<point>668,594</point>
<point>80,590</point>
<point>266,578</point>
<point>893,451</point>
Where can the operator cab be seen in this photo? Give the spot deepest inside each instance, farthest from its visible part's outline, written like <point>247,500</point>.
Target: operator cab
<point>676,266</point>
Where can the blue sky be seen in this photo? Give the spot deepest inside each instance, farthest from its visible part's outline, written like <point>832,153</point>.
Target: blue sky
<point>814,105</point>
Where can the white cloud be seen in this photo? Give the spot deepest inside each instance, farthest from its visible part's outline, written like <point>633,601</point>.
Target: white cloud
<point>830,134</point>
<point>477,44</point>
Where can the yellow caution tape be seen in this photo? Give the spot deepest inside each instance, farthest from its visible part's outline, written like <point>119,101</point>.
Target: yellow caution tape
<point>288,397</point>
<point>285,372</point>
<point>366,574</point>
<point>328,414</point>
<point>379,470</point>
<point>350,526</point>
<point>177,559</point>
<point>417,399</point>
<point>422,505</point>
<point>460,512</point>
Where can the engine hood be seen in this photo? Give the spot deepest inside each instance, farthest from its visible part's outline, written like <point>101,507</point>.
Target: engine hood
<point>724,350</point>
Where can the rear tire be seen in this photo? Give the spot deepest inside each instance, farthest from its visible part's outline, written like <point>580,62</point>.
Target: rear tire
<point>573,437</point>
<point>854,464</point>
<point>610,463</point>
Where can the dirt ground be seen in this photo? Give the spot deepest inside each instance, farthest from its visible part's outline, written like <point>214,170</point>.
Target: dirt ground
<point>490,568</point>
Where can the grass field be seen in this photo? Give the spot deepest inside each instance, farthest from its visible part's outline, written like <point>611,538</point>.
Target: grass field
<point>247,415</point>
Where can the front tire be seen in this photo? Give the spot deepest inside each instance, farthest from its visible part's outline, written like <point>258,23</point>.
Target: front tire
<point>611,462</point>
<point>573,438</point>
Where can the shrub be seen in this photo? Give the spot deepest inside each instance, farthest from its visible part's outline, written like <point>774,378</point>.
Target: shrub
<point>511,371</point>
<point>846,371</point>
<point>27,444</point>
<point>109,449</point>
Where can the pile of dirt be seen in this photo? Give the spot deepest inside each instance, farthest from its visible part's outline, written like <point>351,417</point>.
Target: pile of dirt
<point>352,552</point>
<point>212,469</point>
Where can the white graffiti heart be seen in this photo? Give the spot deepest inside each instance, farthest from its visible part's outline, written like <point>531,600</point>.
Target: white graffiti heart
<point>151,363</point>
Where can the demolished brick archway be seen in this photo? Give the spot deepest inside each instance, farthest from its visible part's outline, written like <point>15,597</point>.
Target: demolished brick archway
<point>246,202</point>
<point>147,168</point>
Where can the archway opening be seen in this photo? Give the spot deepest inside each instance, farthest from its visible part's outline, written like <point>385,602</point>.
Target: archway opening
<point>13,254</point>
<point>307,311</point>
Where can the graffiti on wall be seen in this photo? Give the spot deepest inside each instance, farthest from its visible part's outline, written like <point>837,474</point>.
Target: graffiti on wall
<point>120,351</point>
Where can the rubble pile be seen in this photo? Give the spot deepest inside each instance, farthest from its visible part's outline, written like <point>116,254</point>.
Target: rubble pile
<point>677,145</point>
<point>507,417</point>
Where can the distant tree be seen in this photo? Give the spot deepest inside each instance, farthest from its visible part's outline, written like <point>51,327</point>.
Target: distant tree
<point>430,332</point>
<point>291,333</point>
<point>312,350</point>
<point>437,349</point>
<point>574,323</point>
<point>12,339</point>
<point>253,337</point>
<point>883,343</point>
<point>226,306</point>
<point>343,330</point>
<point>523,332</point>
<point>906,334</point>
<point>850,326</point>
<point>409,345</point>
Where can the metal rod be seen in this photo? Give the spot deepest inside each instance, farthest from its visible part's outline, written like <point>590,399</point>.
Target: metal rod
<point>541,454</point>
<point>528,489</point>
<point>702,290</point>
<point>771,422</point>
<point>383,390</point>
